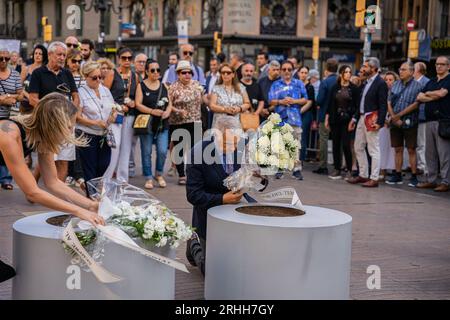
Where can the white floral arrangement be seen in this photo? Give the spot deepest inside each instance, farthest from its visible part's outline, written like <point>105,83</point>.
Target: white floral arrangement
<point>271,149</point>
<point>135,212</point>
<point>276,146</point>
<point>153,223</point>
<point>164,101</point>
<point>117,107</point>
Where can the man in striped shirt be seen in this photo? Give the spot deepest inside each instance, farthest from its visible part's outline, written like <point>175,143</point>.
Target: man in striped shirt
<point>10,96</point>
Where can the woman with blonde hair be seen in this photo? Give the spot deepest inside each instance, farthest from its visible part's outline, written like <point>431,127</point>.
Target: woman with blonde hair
<point>106,66</point>
<point>49,126</point>
<point>93,121</point>
<point>228,97</point>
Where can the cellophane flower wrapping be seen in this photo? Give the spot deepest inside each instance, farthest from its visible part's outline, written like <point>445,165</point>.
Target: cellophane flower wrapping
<point>140,215</point>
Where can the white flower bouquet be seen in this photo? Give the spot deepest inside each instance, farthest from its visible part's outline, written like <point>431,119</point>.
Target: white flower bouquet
<point>275,146</point>
<point>163,102</point>
<point>136,213</point>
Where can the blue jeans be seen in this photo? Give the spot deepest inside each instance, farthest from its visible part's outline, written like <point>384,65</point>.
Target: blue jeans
<point>307,119</point>
<point>162,143</point>
<point>5,176</point>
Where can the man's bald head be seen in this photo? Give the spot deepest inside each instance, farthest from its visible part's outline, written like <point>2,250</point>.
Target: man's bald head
<point>71,40</point>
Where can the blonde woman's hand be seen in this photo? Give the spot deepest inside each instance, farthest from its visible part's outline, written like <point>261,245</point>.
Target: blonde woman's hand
<point>91,217</point>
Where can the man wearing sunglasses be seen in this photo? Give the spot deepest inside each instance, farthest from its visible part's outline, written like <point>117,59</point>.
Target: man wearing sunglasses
<point>71,43</point>
<point>139,65</point>
<point>286,97</point>
<point>10,95</point>
<point>49,78</point>
<point>186,54</point>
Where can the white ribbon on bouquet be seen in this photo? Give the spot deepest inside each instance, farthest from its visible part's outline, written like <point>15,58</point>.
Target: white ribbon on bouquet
<point>117,236</point>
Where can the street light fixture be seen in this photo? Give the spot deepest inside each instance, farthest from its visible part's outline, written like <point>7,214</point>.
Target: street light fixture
<point>103,6</point>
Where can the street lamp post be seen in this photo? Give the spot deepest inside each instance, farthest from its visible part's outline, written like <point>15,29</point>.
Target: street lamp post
<point>102,6</point>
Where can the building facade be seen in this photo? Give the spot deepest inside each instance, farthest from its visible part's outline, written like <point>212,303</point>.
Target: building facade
<point>281,27</point>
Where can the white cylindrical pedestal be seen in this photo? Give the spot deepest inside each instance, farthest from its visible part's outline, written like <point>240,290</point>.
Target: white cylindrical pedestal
<point>257,257</point>
<point>44,270</point>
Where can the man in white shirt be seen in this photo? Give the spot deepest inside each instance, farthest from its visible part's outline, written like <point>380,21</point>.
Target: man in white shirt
<point>368,120</point>
<point>420,69</point>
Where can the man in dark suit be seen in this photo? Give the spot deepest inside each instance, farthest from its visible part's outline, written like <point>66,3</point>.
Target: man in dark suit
<point>368,119</point>
<point>212,161</point>
<point>323,101</point>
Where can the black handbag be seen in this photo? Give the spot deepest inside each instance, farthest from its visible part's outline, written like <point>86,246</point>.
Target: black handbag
<point>444,128</point>
<point>143,122</point>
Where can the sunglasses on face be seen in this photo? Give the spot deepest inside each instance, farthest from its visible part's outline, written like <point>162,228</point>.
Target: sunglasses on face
<point>227,73</point>
<point>72,45</point>
<point>153,70</point>
<point>6,59</point>
<point>186,72</point>
<point>190,53</point>
<point>287,69</point>
<point>76,61</point>
<point>127,58</point>
<point>95,78</point>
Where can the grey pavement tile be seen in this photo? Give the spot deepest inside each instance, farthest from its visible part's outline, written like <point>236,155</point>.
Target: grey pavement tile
<point>402,230</point>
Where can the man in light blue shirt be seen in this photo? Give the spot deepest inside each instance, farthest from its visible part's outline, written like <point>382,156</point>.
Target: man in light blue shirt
<point>286,97</point>
<point>186,53</point>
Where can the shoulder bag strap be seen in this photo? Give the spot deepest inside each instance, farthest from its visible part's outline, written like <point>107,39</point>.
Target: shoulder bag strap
<point>99,108</point>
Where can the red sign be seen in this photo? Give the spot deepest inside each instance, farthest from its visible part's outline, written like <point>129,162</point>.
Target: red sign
<point>410,25</point>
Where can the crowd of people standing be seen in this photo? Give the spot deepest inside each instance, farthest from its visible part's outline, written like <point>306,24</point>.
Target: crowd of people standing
<point>379,122</point>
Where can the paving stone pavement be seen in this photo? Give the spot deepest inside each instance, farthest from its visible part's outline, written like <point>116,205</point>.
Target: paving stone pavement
<point>403,231</point>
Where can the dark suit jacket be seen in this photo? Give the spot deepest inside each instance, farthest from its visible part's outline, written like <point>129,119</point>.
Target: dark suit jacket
<point>376,100</point>
<point>204,187</point>
<point>324,96</point>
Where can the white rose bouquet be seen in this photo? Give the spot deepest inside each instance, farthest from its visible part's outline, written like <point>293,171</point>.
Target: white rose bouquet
<point>135,212</point>
<point>271,149</point>
<point>276,146</point>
